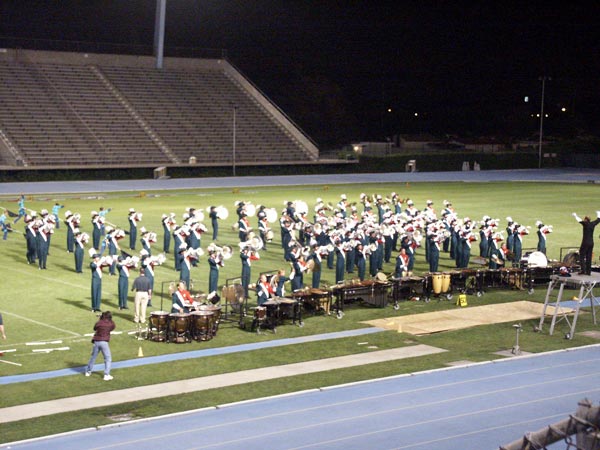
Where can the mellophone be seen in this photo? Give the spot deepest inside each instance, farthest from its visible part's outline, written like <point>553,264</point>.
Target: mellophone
<point>275,310</point>
<point>199,325</point>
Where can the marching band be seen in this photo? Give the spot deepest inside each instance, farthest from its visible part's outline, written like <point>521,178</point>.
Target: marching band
<point>338,237</point>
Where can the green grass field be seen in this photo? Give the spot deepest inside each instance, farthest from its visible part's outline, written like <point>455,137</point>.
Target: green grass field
<point>54,305</point>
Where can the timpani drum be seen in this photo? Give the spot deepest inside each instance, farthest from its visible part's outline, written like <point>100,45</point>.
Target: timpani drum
<point>179,328</point>
<point>157,326</point>
<point>216,318</point>
<point>202,325</point>
<point>436,281</point>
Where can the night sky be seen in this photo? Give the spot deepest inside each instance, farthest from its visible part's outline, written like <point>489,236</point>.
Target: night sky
<point>359,70</point>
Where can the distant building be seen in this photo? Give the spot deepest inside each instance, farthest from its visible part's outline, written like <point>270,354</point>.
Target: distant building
<point>408,143</point>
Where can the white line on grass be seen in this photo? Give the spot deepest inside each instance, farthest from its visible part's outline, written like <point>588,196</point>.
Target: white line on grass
<point>40,323</point>
<point>53,280</point>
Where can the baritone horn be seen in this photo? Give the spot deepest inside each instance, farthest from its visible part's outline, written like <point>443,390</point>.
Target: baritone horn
<point>271,215</point>
<point>225,252</point>
<point>222,212</point>
<point>250,209</point>
<point>254,244</point>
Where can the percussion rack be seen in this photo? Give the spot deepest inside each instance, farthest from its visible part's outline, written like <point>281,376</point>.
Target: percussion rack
<point>234,311</point>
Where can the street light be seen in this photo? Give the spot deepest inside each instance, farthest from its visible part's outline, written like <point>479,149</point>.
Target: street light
<point>543,80</point>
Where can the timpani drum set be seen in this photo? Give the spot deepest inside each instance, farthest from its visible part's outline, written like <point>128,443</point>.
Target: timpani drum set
<point>178,328</point>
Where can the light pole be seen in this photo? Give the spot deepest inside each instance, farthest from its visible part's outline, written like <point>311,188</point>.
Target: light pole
<point>543,80</point>
<point>234,135</point>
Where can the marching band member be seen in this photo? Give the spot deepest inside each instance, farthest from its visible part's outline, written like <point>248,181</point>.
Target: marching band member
<point>214,222</point>
<point>518,234</point>
<point>102,213</point>
<point>361,263</point>
<point>298,268</point>
<point>113,236</point>
<point>168,224</point>
<point>183,301</point>
<point>498,252</point>
<point>4,225</point>
<point>81,239</point>
<point>145,240</point>
<point>466,239</point>
<point>189,258</point>
<point>146,265</point>
<point>72,221</point>
<point>287,229</point>
<point>264,290</point>
<point>380,209</point>
<point>30,237</point>
<point>317,258</point>
<point>342,205</point>
<point>484,232</point>
<point>243,227</point>
<point>22,209</point>
<point>247,256</point>
<point>280,279</point>
<point>587,242</point>
<point>133,218</point>
<point>542,232</point>
<point>402,263</point>
<point>43,242</point>
<point>195,238</point>
<point>510,229</point>
<point>411,210</point>
<point>180,244</point>
<point>123,283</point>
<point>263,227</point>
<point>215,262</point>
<point>55,209</point>
<point>96,267</point>
<point>97,226</point>
<point>340,262</point>
<point>429,210</point>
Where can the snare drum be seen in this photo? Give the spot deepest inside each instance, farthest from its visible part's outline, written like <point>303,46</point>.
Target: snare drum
<point>260,312</point>
<point>179,327</point>
<point>157,326</point>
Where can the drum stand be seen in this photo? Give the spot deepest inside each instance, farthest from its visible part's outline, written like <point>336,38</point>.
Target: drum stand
<point>140,332</point>
<point>516,350</point>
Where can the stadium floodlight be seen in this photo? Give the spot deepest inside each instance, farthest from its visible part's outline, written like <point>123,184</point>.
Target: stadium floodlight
<point>234,137</point>
<point>543,80</point>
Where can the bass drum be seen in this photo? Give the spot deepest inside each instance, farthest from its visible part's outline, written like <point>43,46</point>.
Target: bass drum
<point>571,259</point>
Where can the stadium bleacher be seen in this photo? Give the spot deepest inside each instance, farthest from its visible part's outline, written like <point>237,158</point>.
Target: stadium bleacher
<point>62,109</point>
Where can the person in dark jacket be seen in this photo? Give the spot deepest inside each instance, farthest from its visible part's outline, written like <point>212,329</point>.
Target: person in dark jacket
<point>587,242</point>
<point>100,342</point>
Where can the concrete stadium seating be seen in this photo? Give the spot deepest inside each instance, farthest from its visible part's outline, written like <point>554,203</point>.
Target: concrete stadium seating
<point>75,110</point>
